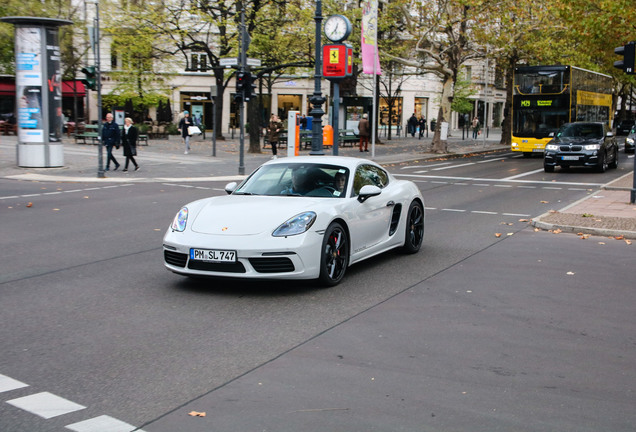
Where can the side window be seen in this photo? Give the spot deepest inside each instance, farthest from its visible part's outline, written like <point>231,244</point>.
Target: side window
<point>369,175</point>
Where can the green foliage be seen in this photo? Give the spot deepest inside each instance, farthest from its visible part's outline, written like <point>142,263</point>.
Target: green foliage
<point>461,102</point>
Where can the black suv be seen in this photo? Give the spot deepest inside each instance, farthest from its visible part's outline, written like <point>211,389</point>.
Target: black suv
<point>588,144</point>
<point>624,127</point>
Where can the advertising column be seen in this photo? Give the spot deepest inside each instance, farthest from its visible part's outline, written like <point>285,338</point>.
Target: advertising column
<point>38,91</point>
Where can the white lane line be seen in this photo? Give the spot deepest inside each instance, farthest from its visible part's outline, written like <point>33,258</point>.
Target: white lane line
<point>489,160</point>
<point>45,405</point>
<point>454,210</point>
<point>516,214</point>
<point>102,424</point>
<point>484,212</point>
<point>523,174</point>
<point>527,187</point>
<point>66,191</point>
<point>481,184</point>
<point>454,166</point>
<point>554,188</point>
<point>503,186</point>
<point>548,182</point>
<point>420,172</point>
<point>8,384</point>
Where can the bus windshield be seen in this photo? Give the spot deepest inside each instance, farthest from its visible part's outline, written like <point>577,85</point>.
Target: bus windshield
<point>533,123</point>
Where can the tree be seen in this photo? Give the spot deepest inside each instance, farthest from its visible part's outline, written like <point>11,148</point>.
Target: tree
<point>442,32</point>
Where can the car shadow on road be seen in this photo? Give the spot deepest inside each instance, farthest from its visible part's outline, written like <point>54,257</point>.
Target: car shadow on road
<point>242,287</point>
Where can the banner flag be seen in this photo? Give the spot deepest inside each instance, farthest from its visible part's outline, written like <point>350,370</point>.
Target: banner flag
<point>369,44</point>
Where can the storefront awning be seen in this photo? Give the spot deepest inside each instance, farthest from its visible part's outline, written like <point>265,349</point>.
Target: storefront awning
<point>69,88</point>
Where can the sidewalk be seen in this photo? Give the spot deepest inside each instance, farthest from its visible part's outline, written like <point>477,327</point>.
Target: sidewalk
<point>606,212</point>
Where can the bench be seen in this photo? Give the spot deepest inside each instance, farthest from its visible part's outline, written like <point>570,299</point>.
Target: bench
<point>92,136</point>
<point>348,136</point>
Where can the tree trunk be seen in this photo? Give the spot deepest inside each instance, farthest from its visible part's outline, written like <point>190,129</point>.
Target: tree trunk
<point>443,115</point>
<point>506,127</point>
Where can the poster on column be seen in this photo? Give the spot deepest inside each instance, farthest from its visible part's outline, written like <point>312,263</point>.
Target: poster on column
<point>29,84</point>
<point>54,84</point>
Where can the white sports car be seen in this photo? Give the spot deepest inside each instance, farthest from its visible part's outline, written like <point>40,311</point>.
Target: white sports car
<point>306,217</point>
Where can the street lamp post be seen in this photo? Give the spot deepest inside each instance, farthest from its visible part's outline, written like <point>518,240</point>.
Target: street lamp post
<point>317,99</point>
<point>98,78</point>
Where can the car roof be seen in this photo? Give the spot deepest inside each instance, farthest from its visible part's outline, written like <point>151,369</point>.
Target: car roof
<point>344,161</point>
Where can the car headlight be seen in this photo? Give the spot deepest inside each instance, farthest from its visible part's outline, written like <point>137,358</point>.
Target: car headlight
<point>629,140</point>
<point>592,147</point>
<point>296,225</point>
<point>180,220</point>
<point>552,147</point>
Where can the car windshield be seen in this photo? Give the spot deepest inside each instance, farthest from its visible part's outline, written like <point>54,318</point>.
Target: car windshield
<point>584,130</point>
<point>297,179</point>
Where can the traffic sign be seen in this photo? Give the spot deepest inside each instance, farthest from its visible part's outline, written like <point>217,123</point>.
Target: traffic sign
<point>253,62</point>
<point>232,61</point>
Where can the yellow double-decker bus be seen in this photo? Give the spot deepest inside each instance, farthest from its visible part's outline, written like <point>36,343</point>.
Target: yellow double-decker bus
<point>545,97</point>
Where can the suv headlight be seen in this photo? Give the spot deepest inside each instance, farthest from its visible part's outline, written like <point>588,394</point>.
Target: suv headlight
<point>296,225</point>
<point>552,147</point>
<point>180,220</point>
<point>592,147</point>
<point>629,140</point>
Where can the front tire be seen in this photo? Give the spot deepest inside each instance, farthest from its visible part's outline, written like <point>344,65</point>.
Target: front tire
<point>334,258</point>
<point>602,163</point>
<point>414,228</point>
<point>548,168</point>
<point>614,163</point>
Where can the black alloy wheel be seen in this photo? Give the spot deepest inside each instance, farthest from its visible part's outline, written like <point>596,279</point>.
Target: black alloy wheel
<point>614,163</point>
<point>602,163</point>
<point>414,228</point>
<point>335,255</point>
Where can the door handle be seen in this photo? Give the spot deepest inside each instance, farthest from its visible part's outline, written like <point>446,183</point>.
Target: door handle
<point>390,204</point>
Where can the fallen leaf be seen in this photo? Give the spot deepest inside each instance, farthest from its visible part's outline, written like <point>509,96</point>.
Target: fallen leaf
<point>587,215</point>
<point>570,273</point>
<point>524,220</point>
<point>585,236</point>
<point>510,234</point>
<point>30,204</point>
<point>197,414</point>
<point>556,231</point>
<point>620,237</point>
<point>601,243</point>
<point>537,229</point>
<point>497,235</point>
<point>56,209</point>
<point>544,202</point>
<point>628,241</point>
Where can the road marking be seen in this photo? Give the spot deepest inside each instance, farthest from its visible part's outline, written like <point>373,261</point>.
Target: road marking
<point>490,160</point>
<point>454,210</point>
<point>549,182</point>
<point>523,174</point>
<point>8,384</point>
<point>454,166</point>
<point>102,424</point>
<point>484,212</point>
<point>66,191</point>
<point>45,405</point>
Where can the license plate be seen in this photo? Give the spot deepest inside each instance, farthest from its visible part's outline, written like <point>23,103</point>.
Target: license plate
<point>569,158</point>
<point>538,150</point>
<point>212,255</point>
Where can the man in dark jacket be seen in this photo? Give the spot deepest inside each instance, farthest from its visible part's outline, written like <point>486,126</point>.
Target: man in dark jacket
<point>110,138</point>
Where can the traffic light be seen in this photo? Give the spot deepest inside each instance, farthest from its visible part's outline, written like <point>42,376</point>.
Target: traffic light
<point>628,53</point>
<point>249,88</point>
<point>241,79</point>
<point>91,77</point>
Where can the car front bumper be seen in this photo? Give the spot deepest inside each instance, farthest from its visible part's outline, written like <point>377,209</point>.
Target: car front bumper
<point>582,158</point>
<point>258,257</point>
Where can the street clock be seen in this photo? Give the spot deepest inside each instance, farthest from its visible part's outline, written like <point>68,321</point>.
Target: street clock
<point>337,28</point>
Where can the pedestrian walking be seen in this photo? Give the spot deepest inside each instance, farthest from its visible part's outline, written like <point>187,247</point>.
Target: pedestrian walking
<point>422,124</point>
<point>184,124</point>
<point>412,124</point>
<point>110,138</point>
<point>274,129</point>
<point>363,130</point>
<point>129,142</point>
<point>476,126</point>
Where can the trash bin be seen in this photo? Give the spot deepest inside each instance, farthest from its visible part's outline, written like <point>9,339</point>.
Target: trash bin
<point>327,136</point>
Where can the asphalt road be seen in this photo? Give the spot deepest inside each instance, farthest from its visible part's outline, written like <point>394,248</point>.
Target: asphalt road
<point>526,331</point>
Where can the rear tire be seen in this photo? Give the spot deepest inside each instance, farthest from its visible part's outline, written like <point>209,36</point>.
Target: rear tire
<point>414,228</point>
<point>334,255</point>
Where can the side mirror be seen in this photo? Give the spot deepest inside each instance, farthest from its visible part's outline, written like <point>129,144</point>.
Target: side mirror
<point>367,192</point>
<point>230,187</point>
